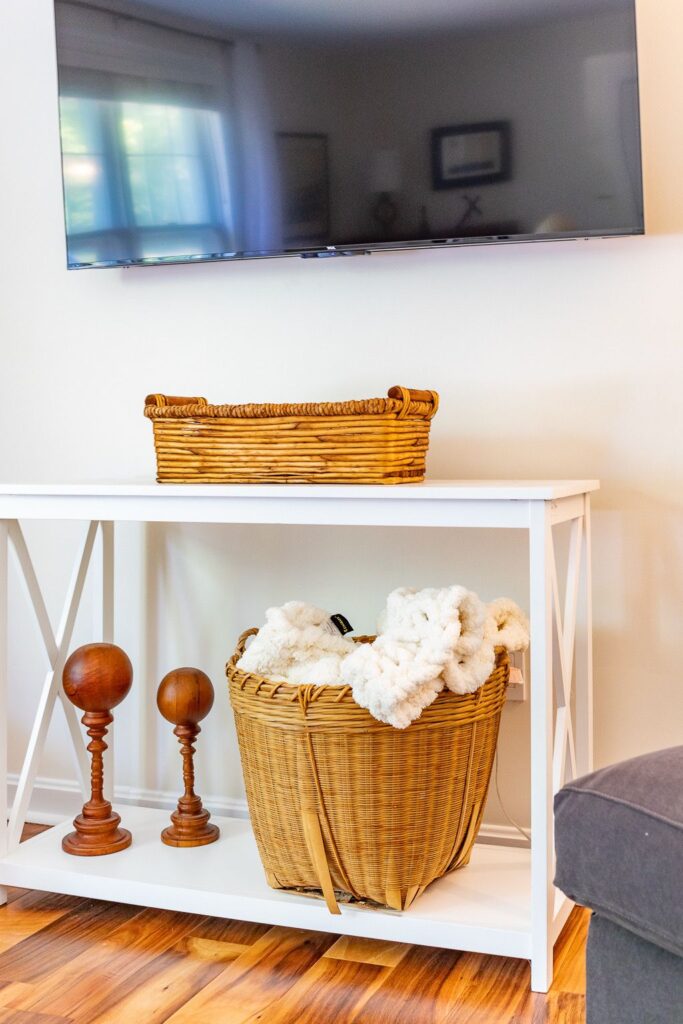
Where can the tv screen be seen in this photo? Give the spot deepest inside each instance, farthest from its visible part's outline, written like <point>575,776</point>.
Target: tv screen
<point>224,129</point>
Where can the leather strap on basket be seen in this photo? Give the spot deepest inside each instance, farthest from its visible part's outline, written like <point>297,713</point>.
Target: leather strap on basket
<point>464,826</point>
<point>316,849</point>
<point>311,820</point>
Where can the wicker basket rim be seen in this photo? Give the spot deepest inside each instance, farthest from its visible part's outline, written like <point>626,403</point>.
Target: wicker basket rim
<point>267,688</point>
<point>400,401</point>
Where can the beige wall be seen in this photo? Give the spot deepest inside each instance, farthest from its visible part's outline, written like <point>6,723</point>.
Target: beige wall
<point>552,360</point>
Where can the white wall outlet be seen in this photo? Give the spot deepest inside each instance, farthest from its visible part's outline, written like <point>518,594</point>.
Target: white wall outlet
<point>517,684</point>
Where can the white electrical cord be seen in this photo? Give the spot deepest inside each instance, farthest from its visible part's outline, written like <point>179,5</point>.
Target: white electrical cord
<point>512,821</point>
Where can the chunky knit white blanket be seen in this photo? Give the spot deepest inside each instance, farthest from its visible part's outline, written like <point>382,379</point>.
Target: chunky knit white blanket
<point>427,639</point>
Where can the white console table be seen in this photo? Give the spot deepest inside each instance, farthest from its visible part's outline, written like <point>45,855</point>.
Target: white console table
<point>504,902</point>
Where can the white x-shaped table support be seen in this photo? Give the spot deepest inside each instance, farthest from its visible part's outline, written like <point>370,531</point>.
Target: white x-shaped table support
<point>561,696</point>
<point>564,637</point>
<point>57,648</point>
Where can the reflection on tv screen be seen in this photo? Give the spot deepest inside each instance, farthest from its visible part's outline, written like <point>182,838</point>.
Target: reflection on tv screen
<point>229,128</point>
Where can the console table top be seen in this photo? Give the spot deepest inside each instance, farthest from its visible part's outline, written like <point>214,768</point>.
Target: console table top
<point>440,490</point>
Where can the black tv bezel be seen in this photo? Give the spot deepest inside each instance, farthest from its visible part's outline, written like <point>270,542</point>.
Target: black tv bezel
<point>336,251</point>
<point>365,249</point>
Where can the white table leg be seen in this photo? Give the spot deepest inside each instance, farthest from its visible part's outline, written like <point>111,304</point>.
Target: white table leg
<point>58,650</point>
<point>4,636</point>
<point>564,642</point>
<point>542,891</point>
<point>584,654</point>
<point>103,627</point>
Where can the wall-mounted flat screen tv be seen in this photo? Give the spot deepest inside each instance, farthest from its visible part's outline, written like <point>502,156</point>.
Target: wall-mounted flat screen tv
<point>225,129</point>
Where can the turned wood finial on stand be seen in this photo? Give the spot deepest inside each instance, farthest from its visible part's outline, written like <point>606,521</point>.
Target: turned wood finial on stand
<point>96,678</point>
<point>184,698</point>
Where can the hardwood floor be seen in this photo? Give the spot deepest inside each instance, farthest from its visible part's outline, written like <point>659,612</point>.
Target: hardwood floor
<point>65,960</point>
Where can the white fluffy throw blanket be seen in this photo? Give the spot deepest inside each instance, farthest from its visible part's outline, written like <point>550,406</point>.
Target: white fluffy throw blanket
<point>427,639</point>
<point>298,644</point>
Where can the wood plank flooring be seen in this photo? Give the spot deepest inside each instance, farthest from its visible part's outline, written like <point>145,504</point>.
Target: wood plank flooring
<point>71,961</point>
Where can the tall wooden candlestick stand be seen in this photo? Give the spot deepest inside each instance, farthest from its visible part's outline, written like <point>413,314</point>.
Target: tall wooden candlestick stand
<point>96,678</point>
<point>184,698</point>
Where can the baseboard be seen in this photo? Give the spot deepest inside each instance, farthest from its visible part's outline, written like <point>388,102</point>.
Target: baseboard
<point>503,835</point>
<point>53,800</point>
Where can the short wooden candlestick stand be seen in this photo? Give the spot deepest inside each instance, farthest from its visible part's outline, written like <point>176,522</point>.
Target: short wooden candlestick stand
<point>184,698</point>
<point>96,678</point>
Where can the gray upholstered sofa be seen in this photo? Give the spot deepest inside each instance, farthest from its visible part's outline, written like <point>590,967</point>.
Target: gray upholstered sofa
<point>619,838</point>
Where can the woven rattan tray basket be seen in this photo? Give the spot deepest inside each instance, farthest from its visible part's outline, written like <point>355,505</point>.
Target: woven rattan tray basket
<point>378,441</point>
<point>347,807</point>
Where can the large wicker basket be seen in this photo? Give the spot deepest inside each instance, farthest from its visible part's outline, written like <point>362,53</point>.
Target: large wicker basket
<point>347,807</point>
<point>378,441</point>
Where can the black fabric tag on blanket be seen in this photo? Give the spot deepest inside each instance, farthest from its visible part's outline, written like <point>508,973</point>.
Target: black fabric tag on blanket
<point>342,623</point>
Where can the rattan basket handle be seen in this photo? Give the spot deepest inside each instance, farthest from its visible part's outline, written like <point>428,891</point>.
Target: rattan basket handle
<point>408,395</point>
<point>241,647</point>
<point>161,400</point>
<point>242,642</point>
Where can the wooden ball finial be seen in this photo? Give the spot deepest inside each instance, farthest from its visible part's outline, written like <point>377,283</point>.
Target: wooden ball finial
<point>96,678</point>
<point>184,698</point>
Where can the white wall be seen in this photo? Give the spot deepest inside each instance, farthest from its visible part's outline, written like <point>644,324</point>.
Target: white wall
<point>552,360</point>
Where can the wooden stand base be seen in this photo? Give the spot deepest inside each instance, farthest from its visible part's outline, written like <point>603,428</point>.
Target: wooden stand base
<point>97,833</point>
<point>97,826</point>
<point>190,828</point>
<point>190,821</point>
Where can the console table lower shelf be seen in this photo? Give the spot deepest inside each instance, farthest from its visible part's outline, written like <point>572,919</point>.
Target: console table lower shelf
<point>504,902</point>
<point>483,908</point>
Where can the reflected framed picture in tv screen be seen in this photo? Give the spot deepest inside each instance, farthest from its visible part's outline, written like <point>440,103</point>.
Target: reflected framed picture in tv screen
<point>471,154</point>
